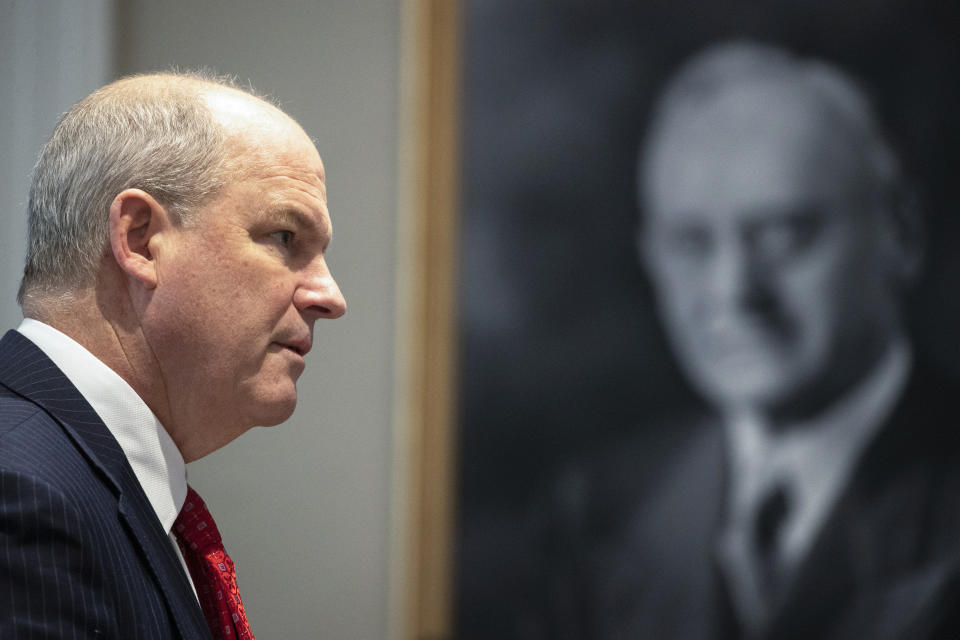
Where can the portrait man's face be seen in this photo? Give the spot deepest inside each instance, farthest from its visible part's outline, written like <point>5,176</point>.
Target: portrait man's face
<point>239,291</point>
<point>765,248</point>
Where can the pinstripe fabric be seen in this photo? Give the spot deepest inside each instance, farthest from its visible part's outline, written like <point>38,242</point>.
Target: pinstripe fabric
<point>82,554</point>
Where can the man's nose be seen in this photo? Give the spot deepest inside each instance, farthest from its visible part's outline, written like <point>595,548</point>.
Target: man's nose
<point>736,280</point>
<point>319,295</point>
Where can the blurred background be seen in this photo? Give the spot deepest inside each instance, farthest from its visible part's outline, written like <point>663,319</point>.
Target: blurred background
<point>561,349</point>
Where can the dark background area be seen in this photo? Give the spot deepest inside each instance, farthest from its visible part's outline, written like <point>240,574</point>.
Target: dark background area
<point>561,351</point>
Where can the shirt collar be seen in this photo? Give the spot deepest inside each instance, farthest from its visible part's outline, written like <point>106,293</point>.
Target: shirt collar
<point>151,452</point>
<point>815,458</point>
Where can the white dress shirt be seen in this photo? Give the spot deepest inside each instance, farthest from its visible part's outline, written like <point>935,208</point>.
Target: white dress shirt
<point>151,452</point>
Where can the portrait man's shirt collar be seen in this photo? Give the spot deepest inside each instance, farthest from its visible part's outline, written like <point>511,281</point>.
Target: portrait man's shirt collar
<point>814,459</point>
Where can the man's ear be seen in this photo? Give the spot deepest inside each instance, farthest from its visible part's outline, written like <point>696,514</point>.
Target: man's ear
<point>135,220</point>
<point>906,236</point>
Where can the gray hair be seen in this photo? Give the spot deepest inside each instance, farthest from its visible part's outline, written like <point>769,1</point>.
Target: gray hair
<point>720,66</point>
<point>149,132</point>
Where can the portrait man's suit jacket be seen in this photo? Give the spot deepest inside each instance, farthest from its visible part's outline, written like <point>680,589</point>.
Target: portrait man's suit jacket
<point>884,566</point>
<point>82,553</point>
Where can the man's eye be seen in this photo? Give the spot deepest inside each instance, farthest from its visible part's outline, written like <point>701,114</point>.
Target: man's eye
<point>283,236</point>
<point>690,243</point>
<point>781,239</point>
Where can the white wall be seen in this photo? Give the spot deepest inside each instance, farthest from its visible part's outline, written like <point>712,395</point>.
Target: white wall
<point>52,53</point>
<point>304,507</point>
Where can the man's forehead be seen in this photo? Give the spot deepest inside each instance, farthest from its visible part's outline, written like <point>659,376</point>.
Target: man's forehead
<point>262,140</point>
<point>759,144</point>
<point>762,106</point>
<point>256,121</point>
<point>236,110</point>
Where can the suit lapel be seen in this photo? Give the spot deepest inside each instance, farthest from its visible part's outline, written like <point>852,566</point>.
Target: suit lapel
<point>824,582</point>
<point>910,606</point>
<point>876,564</point>
<point>27,371</point>
<point>166,567</point>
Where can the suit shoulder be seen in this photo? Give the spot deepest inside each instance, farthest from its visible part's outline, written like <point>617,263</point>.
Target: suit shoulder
<point>927,412</point>
<point>15,410</point>
<point>638,469</point>
<point>931,386</point>
<point>35,445</point>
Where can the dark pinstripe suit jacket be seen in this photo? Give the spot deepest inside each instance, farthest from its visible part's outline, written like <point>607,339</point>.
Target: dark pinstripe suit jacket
<point>82,554</point>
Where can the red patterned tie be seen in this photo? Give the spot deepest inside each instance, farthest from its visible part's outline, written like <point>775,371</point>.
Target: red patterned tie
<point>212,571</point>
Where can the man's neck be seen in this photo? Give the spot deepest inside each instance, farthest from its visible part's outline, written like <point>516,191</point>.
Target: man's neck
<point>107,327</point>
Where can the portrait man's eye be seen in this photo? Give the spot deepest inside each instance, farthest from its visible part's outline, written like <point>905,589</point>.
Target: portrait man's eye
<point>783,238</point>
<point>691,244</point>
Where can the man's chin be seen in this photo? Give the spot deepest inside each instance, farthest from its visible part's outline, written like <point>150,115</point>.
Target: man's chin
<point>275,410</point>
<point>757,388</point>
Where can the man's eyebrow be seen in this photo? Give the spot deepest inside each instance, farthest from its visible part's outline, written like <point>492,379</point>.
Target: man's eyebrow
<point>298,218</point>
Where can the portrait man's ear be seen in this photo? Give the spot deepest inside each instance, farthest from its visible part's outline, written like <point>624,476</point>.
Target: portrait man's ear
<point>907,235</point>
<point>135,219</point>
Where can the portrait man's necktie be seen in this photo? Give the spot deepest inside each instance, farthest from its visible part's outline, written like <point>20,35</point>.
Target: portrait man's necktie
<point>768,525</point>
<point>212,571</point>
<point>751,555</point>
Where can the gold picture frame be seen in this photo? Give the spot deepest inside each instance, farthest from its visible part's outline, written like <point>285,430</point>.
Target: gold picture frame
<point>422,590</point>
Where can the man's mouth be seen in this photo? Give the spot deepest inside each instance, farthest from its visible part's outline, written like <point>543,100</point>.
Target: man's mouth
<point>300,346</point>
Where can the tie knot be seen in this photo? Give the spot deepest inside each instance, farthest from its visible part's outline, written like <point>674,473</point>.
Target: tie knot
<point>195,526</point>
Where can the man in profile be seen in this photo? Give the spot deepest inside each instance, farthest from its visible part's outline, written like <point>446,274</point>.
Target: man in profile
<point>175,269</point>
<point>821,501</point>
